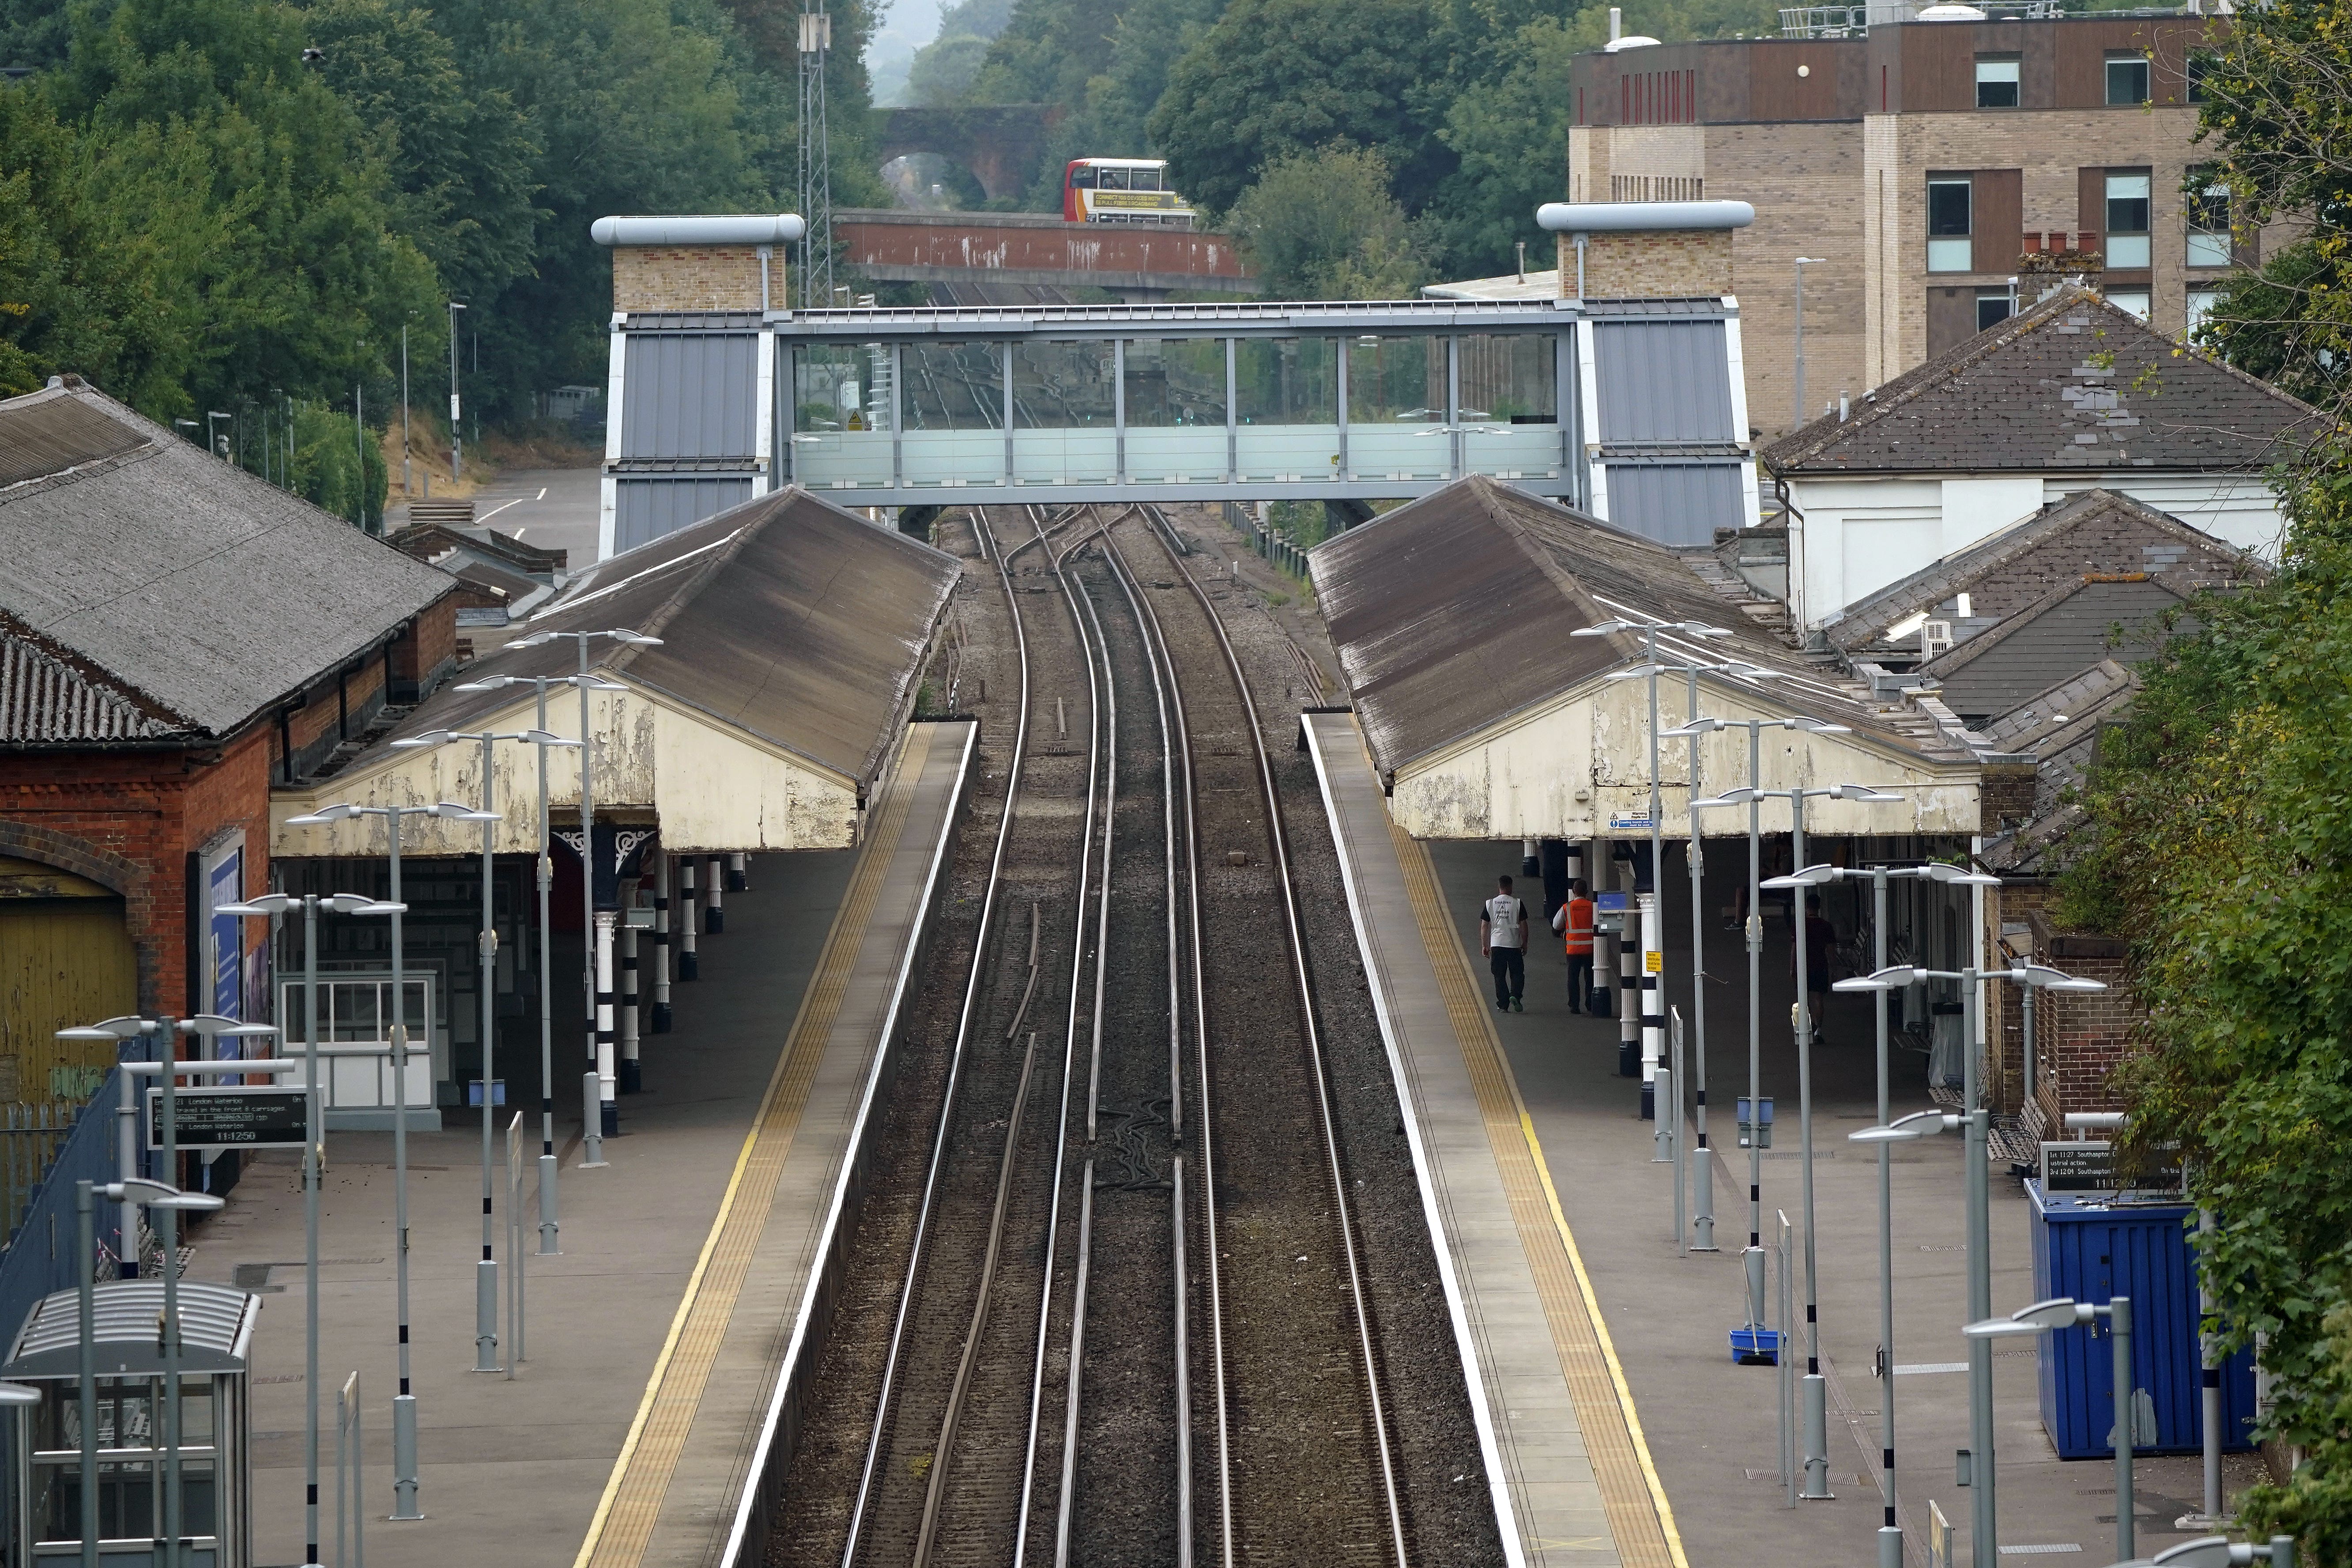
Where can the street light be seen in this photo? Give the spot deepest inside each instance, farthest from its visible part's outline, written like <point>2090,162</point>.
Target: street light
<point>601,1118</point>
<point>1816,1389</point>
<point>1653,1011</point>
<point>548,1227</point>
<point>485,1272</point>
<point>1890,1534</point>
<point>2221,1551</point>
<point>405,1476</point>
<point>1801,263</point>
<point>1984,1526</point>
<point>457,441</point>
<point>129,1190</point>
<point>266,907</point>
<point>2064,1312</point>
<point>212,441</point>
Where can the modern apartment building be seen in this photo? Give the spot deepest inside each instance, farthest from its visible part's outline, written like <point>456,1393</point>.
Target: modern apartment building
<point>1928,171</point>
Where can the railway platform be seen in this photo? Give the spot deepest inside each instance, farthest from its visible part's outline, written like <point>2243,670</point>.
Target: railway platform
<point>654,1342</point>
<point>1565,1453</point>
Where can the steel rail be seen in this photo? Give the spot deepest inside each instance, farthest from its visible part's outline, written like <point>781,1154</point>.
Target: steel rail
<point>1164,681</point>
<point>1203,1133</point>
<point>862,1504</point>
<point>1297,945</point>
<point>1069,1046</point>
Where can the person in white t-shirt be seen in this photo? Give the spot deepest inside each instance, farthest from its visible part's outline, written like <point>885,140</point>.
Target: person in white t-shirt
<point>1503,937</point>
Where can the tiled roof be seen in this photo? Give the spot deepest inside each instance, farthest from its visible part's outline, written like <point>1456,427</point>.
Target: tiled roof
<point>192,591</point>
<point>2096,531</point>
<point>2071,382</point>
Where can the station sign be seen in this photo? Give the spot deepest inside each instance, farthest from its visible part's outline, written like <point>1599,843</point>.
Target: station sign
<point>217,1116</point>
<point>2090,1168</point>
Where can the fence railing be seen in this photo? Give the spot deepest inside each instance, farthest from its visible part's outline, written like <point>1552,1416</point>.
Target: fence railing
<point>39,1257</point>
<point>1268,542</point>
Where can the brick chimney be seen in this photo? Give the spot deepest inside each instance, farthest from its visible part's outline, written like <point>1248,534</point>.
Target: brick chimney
<point>2005,795</point>
<point>1645,250</point>
<point>698,263</point>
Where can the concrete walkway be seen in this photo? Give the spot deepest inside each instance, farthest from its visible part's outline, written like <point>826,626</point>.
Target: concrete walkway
<point>1710,1423</point>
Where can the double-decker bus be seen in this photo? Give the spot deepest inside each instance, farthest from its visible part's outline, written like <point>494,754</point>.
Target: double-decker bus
<point>1122,190</point>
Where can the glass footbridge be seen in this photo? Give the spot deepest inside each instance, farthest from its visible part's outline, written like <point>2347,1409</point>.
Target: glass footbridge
<point>1629,409</point>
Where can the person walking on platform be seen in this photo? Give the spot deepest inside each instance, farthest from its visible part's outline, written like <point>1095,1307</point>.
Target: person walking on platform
<point>1503,937</point>
<point>1573,919</point>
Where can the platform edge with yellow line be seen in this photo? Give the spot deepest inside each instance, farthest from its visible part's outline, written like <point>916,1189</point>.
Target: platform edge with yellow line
<point>1477,1150</point>
<point>630,1519</point>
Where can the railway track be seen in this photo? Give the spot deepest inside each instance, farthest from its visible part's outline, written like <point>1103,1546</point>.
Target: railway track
<point>1128,1320</point>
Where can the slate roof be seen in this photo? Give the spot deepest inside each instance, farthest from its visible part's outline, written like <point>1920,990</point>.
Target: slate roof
<point>144,577</point>
<point>2070,382</point>
<point>785,617</point>
<point>2059,728</point>
<point>2052,641</point>
<point>1453,612</point>
<point>2097,532</point>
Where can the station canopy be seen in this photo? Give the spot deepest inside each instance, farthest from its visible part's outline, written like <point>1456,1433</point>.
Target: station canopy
<point>793,635</point>
<point>1486,718</point>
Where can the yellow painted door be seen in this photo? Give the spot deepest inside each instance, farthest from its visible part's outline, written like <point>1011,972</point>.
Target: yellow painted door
<point>63,961</point>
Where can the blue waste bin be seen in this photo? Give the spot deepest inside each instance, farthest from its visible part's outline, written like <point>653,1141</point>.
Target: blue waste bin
<point>2089,1248</point>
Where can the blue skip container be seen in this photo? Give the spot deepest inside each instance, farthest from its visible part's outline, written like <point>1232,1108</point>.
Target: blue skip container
<point>2088,1247</point>
<point>1755,1346</point>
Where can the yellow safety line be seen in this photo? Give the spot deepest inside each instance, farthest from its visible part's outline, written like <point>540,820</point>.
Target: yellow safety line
<point>625,1514</point>
<point>1640,1518</point>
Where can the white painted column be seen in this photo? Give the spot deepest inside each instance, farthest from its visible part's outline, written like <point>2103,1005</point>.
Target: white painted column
<point>716,921</point>
<point>660,1021</point>
<point>607,1114</point>
<point>689,964</point>
<point>1629,986</point>
<point>739,872</point>
<point>631,1076</point>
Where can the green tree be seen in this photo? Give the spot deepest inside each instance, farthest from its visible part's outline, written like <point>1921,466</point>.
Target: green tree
<point>1322,226</point>
<point>326,467</point>
<point>1275,78</point>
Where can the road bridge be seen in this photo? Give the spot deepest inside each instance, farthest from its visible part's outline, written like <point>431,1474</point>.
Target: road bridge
<point>1139,262</point>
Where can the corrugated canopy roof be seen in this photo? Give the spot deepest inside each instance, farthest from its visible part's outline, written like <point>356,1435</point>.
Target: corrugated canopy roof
<point>786,618</point>
<point>202,592</point>
<point>1454,613</point>
<point>215,1329</point>
<point>2069,383</point>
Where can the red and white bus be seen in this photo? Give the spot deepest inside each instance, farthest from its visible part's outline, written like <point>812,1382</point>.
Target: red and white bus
<point>1122,190</point>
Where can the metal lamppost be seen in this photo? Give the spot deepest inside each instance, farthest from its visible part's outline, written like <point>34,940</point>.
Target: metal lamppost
<point>457,441</point>
<point>1974,1123</point>
<point>1801,263</point>
<point>313,1151</point>
<point>601,1117</point>
<point>548,1227</point>
<point>407,485</point>
<point>404,1473</point>
<point>1890,1534</point>
<point>212,441</point>
<point>130,1192</point>
<point>2065,1312</point>
<point>486,1271</point>
<point>1753,1256</point>
<point>2221,1551</point>
<point>1654,941</point>
<point>1817,1439</point>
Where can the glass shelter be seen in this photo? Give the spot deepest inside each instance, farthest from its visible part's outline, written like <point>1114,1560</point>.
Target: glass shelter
<point>45,1478</point>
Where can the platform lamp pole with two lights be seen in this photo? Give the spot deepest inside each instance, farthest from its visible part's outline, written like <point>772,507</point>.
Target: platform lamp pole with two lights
<point>601,1113</point>
<point>548,1246</point>
<point>264,907</point>
<point>1816,1396</point>
<point>1654,941</point>
<point>1890,1534</point>
<point>405,1479</point>
<point>2064,1312</point>
<point>1974,1122</point>
<point>485,1270</point>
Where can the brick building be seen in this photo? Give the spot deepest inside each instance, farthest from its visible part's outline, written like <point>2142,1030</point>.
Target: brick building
<point>176,637</point>
<point>1924,165</point>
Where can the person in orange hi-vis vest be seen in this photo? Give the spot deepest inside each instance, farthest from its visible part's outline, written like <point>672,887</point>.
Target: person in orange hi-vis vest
<point>1573,918</point>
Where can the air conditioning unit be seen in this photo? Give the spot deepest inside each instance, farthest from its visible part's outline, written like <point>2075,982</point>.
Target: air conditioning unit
<point>1934,637</point>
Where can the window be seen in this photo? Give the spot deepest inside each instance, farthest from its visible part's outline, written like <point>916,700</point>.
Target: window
<point>2127,221</point>
<point>2127,79</point>
<point>1949,214</point>
<point>1993,308</point>
<point>1114,179</point>
<point>2199,63</point>
<point>2201,305</point>
<point>1082,178</point>
<point>2208,220</point>
<point>1145,180</point>
<point>2132,300</point>
<point>1995,84</point>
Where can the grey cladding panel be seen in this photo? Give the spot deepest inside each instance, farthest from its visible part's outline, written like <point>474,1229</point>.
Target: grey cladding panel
<point>1663,381</point>
<point>2057,644</point>
<point>1675,504</point>
<point>645,510</point>
<point>690,395</point>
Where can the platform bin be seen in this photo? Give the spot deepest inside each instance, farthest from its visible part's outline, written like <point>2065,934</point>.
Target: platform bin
<point>2089,1248</point>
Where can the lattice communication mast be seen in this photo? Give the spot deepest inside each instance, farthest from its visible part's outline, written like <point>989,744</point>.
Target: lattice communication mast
<point>816,163</point>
